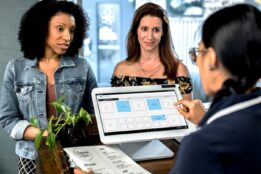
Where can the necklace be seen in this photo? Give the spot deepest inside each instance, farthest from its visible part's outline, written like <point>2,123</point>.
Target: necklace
<point>150,73</point>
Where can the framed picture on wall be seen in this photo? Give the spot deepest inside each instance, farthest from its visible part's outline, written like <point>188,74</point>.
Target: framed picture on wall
<point>108,43</point>
<point>185,8</point>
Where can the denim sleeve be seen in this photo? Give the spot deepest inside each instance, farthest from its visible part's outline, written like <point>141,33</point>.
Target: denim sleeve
<point>10,116</point>
<point>91,83</point>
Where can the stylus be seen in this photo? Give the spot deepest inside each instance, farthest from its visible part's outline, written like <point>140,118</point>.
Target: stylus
<point>183,107</point>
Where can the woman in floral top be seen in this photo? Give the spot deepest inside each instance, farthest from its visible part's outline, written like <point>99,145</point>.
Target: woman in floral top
<point>151,59</point>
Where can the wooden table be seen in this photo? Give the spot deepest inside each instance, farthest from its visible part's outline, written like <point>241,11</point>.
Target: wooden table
<point>55,161</point>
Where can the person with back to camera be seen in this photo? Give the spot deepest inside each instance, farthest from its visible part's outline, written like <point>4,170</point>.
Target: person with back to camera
<point>51,34</point>
<point>151,59</point>
<point>228,138</point>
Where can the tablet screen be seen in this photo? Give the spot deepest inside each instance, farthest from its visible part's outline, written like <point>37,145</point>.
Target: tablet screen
<point>133,112</point>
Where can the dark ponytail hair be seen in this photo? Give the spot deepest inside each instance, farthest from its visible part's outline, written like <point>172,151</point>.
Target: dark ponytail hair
<point>235,35</point>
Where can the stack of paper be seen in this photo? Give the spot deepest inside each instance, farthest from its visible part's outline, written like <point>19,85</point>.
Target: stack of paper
<point>104,159</point>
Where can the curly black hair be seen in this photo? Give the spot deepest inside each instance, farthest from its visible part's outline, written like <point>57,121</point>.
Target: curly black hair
<point>33,29</point>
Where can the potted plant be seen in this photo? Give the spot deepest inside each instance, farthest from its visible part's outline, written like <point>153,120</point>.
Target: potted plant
<point>67,126</point>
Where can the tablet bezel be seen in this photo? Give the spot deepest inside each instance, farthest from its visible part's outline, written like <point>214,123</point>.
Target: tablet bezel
<point>140,136</point>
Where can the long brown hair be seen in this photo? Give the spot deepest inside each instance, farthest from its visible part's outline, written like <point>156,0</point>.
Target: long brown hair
<point>166,48</point>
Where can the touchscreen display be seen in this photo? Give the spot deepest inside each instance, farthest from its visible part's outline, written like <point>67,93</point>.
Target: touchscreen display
<point>138,112</point>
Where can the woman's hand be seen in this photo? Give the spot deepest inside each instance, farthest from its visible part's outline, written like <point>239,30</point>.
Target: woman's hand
<point>31,132</point>
<point>79,171</point>
<point>192,110</point>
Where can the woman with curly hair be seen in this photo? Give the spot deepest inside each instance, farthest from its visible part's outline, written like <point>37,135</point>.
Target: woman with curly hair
<point>51,34</point>
<point>151,59</point>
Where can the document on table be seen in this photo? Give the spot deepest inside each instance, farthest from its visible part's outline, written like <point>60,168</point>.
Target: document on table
<point>103,159</point>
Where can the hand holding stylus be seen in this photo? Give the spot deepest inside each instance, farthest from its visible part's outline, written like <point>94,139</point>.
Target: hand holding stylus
<point>192,110</point>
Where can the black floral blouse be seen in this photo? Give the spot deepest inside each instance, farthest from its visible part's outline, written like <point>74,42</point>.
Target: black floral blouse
<point>185,84</point>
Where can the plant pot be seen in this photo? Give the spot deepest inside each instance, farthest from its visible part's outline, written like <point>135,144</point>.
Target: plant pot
<point>73,135</point>
<point>51,161</point>
<point>79,135</point>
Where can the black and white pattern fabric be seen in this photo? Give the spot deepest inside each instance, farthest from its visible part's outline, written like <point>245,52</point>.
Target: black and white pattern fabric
<point>184,82</point>
<point>26,166</point>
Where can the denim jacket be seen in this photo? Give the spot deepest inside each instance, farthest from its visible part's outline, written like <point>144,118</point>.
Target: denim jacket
<point>23,95</point>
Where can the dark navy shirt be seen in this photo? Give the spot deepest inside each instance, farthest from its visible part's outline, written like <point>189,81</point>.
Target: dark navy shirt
<point>229,145</point>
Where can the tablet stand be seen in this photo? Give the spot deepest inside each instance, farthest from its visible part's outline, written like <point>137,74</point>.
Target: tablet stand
<point>147,150</point>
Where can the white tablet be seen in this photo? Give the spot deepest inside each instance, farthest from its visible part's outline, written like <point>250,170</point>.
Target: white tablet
<point>138,113</point>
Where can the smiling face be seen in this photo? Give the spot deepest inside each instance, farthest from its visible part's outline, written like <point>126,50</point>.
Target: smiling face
<point>149,33</point>
<point>60,34</point>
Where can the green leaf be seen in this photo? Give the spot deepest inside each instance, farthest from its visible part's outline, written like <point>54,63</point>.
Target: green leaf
<point>66,117</point>
<point>34,121</point>
<point>61,99</point>
<point>73,120</point>
<point>85,116</point>
<point>49,126</point>
<point>82,112</point>
<point>58,107</point>
<point>38,138</point>
<point>50,141</point>
<point>61,107</point>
